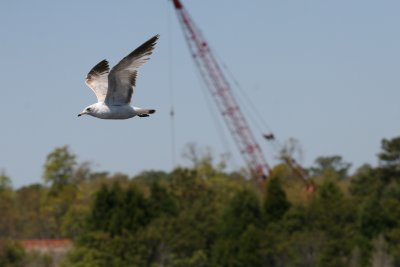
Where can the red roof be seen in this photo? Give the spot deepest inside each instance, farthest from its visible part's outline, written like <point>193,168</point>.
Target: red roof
<point>45,243</point>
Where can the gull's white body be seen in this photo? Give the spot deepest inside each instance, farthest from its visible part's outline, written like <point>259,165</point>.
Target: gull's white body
<point>111,112</point>
<point>114,89</point>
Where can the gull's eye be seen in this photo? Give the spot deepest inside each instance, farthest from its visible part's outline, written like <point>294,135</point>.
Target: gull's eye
<point>88,109</point>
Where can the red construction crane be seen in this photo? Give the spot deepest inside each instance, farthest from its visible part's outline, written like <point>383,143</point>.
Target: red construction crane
<point>221,91</point>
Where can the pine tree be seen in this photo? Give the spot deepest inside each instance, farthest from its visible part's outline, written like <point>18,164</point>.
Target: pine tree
<point>249,253</point>
<point>275,203</point>
<point>59,167</point>
<point>105,209</point>
<point>240,221</point>
<point>161,203</point>
<point>134,211</point>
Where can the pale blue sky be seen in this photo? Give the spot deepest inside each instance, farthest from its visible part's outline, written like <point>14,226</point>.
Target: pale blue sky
<point>323,72</point>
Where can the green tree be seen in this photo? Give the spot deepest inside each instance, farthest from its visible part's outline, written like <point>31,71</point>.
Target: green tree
<point>55,206</point>
<point>327,209</point>
<point>187,186</point>
<point>331,213</point>
<point>390,154</point>
<point>275,202</point>
<point>59,167</point>
<point>330,165</point>
<point>389,159</point>
<point>365,182</point>
<point>11,254</point>
<point>8,214</point>
<point>5,181</point>
<point>105,210</point>
<point>240,221</point>
<point>31,221</point>
<point>134,212</point>
<point>149,177</point>
<point>373,219</point>
<point>116,222</point>
<point>249,252</point>
<point>161,203</point>
<point>243,210</point>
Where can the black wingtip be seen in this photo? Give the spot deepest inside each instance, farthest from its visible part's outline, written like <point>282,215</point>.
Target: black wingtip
<point>152,41</point>
<point>151,111</point>
<point>146,48</point>
<point>100,68</point>
<point>155,37</point>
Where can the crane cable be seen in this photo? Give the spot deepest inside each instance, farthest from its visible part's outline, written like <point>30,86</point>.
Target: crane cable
<point>212,108</point>
<point>246,102</point>
<point>278,147</point>
<point>171,87</point>
<point>205,85</point>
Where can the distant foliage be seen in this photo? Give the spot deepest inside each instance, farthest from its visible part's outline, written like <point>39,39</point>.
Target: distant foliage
<point>390,154</point>
<point>204,217</point>
<point>275,203</point>
<point>330,166</point>
<point>11,254</point>
<point>59,167</point>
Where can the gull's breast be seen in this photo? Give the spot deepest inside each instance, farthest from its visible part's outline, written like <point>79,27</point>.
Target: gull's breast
<point>115,112</point>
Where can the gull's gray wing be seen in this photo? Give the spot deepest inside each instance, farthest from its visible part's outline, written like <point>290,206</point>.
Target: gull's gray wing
<point>97,80</point>
<point>122,78</point>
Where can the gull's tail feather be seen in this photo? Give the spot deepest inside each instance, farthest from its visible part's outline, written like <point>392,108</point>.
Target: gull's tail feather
<point>144,112</point>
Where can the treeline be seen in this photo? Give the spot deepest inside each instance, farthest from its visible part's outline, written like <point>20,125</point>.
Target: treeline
<point>204,216</point>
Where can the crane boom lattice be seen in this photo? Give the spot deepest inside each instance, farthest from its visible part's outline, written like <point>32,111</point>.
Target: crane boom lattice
<point>221,92</point>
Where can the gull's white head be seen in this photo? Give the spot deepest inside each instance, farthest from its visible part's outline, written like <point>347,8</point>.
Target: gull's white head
<point>89,110</point>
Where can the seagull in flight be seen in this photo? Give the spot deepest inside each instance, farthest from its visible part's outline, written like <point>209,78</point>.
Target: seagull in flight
<point>114,88</point>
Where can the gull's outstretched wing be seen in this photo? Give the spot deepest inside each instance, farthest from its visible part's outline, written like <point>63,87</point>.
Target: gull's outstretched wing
<point>97,80</point>
<point>122,78</point>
